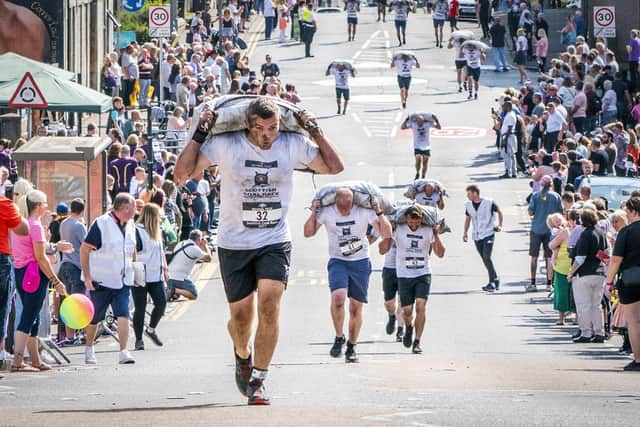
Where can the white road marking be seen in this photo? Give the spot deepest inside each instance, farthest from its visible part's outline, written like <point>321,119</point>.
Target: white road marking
<point>366,44</point>
<point>393,132</point>
<point>398,117</point>
<point>356,118</point>
<point>366,131</point>
<point>358,53</point>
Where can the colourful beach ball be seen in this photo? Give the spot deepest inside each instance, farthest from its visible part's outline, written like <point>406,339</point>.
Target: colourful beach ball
<point>76,311</point>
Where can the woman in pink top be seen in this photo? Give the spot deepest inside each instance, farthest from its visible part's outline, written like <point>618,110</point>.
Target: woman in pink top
<point>27,250</point>
<point>542,49</point>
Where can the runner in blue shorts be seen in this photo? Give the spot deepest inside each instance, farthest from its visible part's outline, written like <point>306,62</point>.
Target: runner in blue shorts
<point>349,266</point>
<point>404,63</point>
<point>401,9</point>
<point>352,7</point>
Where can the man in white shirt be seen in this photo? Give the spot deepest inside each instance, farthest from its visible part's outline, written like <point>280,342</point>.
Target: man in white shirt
<point>555,127</point>
<point>508,140</point>
<point>401,9</point>
<point>349,265</point>
<point>342,74</point>
<point>404,64</point>
<point>440,14</point>
<point>421,140</point>
<point>474,57</point>
<point>414,243</point>
<point>352,7</point>
<point>254,240</point>
<point>185,255</point>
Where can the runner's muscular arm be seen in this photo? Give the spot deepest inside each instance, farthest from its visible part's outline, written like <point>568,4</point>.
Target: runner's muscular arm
<point>311,226</point>
<point>191,158</point>
<point>385,246</point>
<point>437,246</point>
<point>328,161</point>
<point>383,226</point>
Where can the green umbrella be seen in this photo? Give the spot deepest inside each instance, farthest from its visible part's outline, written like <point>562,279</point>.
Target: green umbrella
<point>14,66</point>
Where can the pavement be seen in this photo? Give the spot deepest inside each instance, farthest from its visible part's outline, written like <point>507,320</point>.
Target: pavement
<point>489,359</point>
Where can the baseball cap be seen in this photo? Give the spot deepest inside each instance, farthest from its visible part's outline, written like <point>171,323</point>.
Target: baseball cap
<point>62,209</point>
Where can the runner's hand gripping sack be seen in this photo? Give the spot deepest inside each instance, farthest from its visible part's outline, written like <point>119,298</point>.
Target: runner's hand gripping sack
<point>400,53</point>
<point>462,35</point>
<point>363,192</point>
<point>348,64</point>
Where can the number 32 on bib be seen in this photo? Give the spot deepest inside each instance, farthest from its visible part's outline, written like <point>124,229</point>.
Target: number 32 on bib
<point>261,214</point>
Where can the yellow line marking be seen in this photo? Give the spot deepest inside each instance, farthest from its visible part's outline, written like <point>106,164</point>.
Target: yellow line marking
<point>253,41</point>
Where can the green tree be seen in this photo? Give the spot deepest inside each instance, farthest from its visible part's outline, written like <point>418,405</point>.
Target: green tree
<point>139,21</point>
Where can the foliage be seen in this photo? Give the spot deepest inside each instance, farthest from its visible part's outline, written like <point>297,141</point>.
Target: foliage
<point>139,21</point>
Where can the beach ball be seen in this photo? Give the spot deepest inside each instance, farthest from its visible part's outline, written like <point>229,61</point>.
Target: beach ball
<point>76,311</point>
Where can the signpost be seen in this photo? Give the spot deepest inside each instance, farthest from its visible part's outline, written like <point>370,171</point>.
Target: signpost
<point>604,21</point>
<point>27,95</point>
<point>160,27</point>
<point>159,21</point>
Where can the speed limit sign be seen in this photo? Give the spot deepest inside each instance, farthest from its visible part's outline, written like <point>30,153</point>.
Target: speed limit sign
<point>604,21</point>
<point>159,21</point>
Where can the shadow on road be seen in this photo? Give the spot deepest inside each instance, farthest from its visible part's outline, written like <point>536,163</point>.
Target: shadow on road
<point>153,408</point>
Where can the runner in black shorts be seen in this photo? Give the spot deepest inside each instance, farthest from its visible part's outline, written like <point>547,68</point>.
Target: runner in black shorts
<point>352,7</point>
<point>391,295</point>
<point>254,246</point>
<point>382,9</point>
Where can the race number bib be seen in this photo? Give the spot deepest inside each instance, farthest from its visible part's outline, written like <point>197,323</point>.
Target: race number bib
<point>414,263</point>
<point>349,248</point>
<point>261,214</point>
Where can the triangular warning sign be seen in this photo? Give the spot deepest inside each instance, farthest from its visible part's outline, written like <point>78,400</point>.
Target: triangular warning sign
<point>27,95</point>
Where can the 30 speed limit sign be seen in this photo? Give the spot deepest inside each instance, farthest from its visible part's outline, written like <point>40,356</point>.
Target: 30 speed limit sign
<point>604,21</point>
<point>159,21</point>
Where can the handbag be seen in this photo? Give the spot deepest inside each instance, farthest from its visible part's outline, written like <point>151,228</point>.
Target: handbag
<point>31,279</point>
<point>631,276</point>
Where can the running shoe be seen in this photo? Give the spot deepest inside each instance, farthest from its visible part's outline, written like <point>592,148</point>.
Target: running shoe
<point>256,394</point>
<point>338,110</point>
<point>391,324</point>
<point>531,288</point>
<point>459,89</point>
<point>470,96</point>
<point>489,288</point>
<point>336,350</point>
<point>399,334</point>
<point>139,345</point>
<point>407,339</point>
<point>576,335</point>
<point>154,337</point>
<point>416,347</point>
<point>350,355</point>
<point>475,95</point>
<point>243,373</point>
<point>416,177</point>
<point>633,366</point>
<point>125,358</point>
<point>496,284</point>
<point>582,340</point>
<point>598,339</point>
<point>90,356</point>
<point>404,105</point>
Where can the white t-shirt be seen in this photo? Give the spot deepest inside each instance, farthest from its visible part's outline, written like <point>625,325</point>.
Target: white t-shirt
<point>401,10</point>
<point>390,257</point>
<point>421,135</point>
<point>183,261</point>
<point>522,43</point>
<point>404,67</point>
<point>347,234</point>
<point>440,10</point>
<point>432,200</point>
<point>256,187</point>
<point>412,257</point>
<point>509,119</point>
<point>473,57</point>
<point>352,9</point>
<point>555,122</point>
<point>342,78</point>
<point>457,45</point>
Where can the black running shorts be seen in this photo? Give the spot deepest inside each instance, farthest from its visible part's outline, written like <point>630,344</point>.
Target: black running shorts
<point>241,269</point>
<point>389,283</point>
<point>412,288</point>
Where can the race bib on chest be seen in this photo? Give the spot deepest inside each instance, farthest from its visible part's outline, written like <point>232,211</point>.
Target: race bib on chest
<point>414,263</point>
<point>261,214</point>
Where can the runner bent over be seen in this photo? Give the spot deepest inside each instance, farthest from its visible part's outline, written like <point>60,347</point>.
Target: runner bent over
<point>414,242</point>
<point>253,238</point>
<point>349,265</point>
<point>421,140</point>
<point>341,74</point>
<point>401,9</point>
<point>481,213</point>
<point>352,7</point>
<point>430,197</point>
<point>404,64</point>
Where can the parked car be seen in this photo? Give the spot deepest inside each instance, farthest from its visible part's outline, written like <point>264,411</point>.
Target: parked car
<point>468,11</point>
<point>614,189</point>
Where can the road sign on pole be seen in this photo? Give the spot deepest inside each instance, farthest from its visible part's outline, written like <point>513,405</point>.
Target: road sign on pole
<point>604,21</point>
<point>132,5</point>
<point>159,21</point>
<point>27,94</point>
